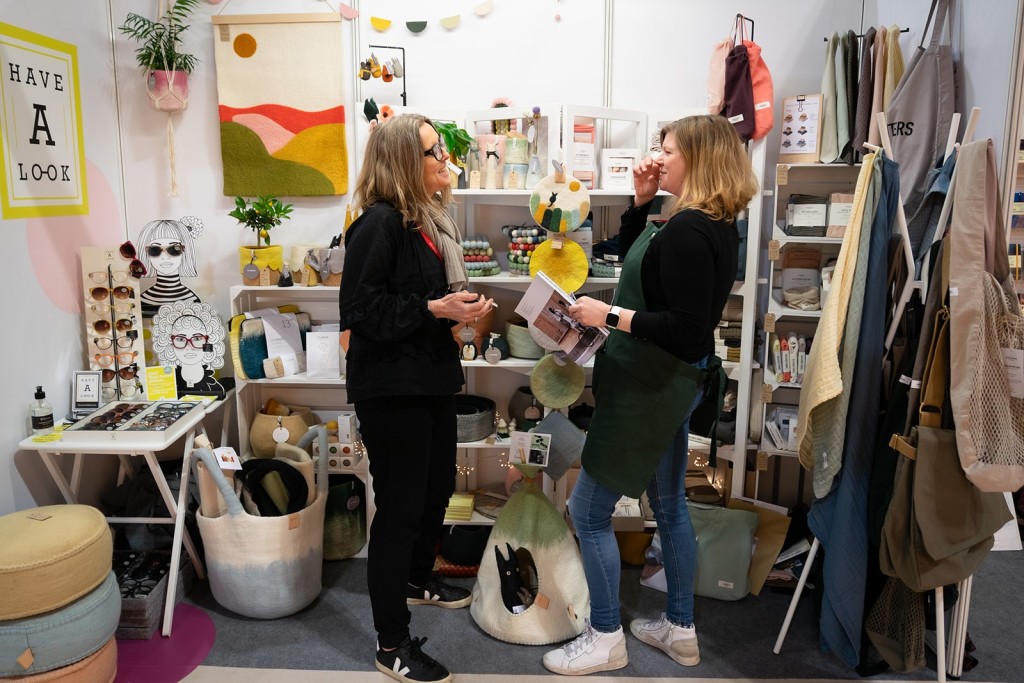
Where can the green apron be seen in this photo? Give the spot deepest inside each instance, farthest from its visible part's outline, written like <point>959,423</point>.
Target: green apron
<point>642,392</point>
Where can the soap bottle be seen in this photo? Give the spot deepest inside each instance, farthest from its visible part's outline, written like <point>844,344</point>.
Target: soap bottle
<point>42,413</point>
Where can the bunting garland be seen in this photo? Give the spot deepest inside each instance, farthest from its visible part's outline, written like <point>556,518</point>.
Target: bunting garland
<point>382,24</point>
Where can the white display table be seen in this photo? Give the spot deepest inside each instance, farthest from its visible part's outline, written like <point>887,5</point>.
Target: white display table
<point>125,446</point>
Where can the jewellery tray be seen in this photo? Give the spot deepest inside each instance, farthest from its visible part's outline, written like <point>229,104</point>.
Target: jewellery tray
<point>134,432</point>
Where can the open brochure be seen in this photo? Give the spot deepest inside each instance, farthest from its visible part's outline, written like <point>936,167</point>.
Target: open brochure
<point>546,308</point>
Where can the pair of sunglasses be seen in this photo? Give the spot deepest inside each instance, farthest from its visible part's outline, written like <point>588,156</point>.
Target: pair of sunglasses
<point>105,360</point>
<point>123,342</point>
<point>104,309</point>
<point>127,372</point>
<point>121,325</point>
<point>135,266</point>
<point>108,276</point>
<point>173,249</point>
<point>103,294</point>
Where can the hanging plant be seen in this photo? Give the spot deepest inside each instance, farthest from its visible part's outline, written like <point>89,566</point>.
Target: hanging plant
<point>160,40</point>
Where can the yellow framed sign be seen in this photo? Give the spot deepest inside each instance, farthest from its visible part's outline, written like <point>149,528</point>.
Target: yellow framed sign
<point>43,159</point>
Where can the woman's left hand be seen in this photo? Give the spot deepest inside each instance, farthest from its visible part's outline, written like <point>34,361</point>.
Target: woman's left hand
<point>589,311</point>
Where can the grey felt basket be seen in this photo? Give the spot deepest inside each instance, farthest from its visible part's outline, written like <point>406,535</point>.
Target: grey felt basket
<point>474,416</point>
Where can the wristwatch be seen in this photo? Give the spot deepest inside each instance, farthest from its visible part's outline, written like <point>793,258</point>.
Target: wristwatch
<point>611,319</point>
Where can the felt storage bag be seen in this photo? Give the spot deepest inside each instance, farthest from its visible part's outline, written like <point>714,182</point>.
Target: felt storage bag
<point>261,433</point>
<point>345,518</point>
<point>725,540</point>
<point>531,557</point>
<point>265,567</point>
<point>248,341</point>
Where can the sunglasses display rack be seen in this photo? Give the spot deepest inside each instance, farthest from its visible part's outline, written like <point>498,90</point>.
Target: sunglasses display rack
<point>140,422</point>
<point>113,319</point>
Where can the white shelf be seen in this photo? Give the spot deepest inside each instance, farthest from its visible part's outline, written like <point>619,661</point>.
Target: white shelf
<point>782,238</point>
<point>521,365</point>
<point>782,312</point>
<point>522,197</point>
<point>484,445</point>
<point>300,379</point>
<point>768,447</point>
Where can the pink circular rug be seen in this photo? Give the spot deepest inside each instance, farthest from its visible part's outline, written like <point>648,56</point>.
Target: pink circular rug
<point>167,660</point>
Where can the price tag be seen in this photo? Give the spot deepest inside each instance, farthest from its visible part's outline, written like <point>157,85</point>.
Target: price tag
<point>227,458</point>
<point>774,250</point>
<point>769,322</point>
<point>282,333</point>
<point>1013,361</point>
<point>782,174</point>
<point>766,393</point>
<point>265,277</point>
<point>1017,209</point>
<point>762,461</point>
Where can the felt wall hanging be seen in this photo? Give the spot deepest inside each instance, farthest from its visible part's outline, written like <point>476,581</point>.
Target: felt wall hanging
<point>281,92</point>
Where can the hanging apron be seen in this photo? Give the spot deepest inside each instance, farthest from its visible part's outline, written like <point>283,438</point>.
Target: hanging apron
<point>641,392</point>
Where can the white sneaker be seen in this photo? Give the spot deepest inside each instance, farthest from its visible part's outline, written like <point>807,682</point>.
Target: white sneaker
<point>677,642</point>
<point>591,651</point>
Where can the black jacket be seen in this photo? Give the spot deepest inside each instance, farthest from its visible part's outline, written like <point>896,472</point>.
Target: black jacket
<point>397,347</point>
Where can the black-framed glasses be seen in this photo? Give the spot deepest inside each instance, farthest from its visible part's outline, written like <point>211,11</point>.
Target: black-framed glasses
<point>173,249</point>
<point>437,151</point>
<point>127,250</point>
<point>196,341</point>
<point>123,342</point>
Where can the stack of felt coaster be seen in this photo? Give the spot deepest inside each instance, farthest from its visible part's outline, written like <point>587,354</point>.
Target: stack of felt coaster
<point>522,242</point>
<point>479,257</point>
<point>59,599</point>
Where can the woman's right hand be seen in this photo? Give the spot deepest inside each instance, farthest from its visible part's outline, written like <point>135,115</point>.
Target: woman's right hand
<point>646,180</point>
<point>463,307</point>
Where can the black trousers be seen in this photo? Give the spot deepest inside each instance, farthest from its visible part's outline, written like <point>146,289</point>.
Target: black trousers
<point>410,442</point>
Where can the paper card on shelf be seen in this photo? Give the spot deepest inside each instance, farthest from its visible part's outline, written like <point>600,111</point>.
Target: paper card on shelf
<point>617,168</point>
<point>1013,361</point>
<point>323,355</point>
<point>529,448</point>
<point>227,458</point>
<point>281,331</point>
<point>161,383</point>
<point>546,307</point>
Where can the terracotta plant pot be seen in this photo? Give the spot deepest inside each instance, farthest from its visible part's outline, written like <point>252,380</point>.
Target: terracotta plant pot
<point>168,90</point>
<point>268,259</point>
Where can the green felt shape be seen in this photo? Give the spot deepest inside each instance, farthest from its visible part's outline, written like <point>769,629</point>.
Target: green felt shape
<point>557,386</point>
<point>415,26</point>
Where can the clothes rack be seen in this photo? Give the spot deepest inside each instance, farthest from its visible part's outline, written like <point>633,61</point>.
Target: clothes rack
<point>953,663</point>
<point>861,35</point>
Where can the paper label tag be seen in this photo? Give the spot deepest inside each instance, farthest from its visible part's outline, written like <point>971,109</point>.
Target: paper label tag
<point>293,521</point>
<point>762,461</point>
<point>774,250</point>
<point>954,291</point>
<point>736,119</point>
<point>542,601</point>
<point>782,174</point>
<point>282,333</point>
<point>38,516</point>
<point>763,105</point>
<point>1013,361</point>
<point>227,458</point>
<point>915,384</point>
<point>904,379</point>
<point>769,322</point>
<point>726,584</point>
<point>265,277</point>
<point>766,393</point>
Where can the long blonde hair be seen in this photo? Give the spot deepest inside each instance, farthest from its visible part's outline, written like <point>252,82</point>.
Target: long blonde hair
<point>392,171</point>
<point>719,180</point>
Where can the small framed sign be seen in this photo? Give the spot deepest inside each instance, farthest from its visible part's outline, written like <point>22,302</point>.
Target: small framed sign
<point>801,129</point>
<point>85,392</point>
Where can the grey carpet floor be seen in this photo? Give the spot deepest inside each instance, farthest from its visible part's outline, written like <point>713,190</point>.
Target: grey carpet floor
<point>736,638</point>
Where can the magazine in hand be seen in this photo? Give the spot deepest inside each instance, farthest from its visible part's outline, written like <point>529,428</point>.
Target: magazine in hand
<point>546,307</point>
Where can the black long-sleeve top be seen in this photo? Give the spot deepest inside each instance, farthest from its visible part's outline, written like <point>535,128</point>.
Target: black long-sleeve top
<point>397,346</point>
<point>686,275</point>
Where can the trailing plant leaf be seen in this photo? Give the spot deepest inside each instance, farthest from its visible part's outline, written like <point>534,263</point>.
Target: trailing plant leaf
<point>160,40</point>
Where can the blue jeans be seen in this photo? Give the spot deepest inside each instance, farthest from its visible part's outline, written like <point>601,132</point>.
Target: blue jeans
<point>591,506</point>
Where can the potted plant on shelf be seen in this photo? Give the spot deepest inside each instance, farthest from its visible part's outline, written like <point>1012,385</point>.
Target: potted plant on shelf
<point>458,141</point>
<point>159,54</point>
<point>261,262</point>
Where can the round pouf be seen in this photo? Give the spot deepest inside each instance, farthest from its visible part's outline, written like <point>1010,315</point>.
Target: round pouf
<point>99,667</point>
<point>51,556</point>
<point>45,642</point>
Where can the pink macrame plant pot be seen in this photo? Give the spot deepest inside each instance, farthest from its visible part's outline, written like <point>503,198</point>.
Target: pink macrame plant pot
<point>168,90</point>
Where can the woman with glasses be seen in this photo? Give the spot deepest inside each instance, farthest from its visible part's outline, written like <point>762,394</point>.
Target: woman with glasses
<point>168,252</point>
<point>190,335</point>
<point>404,288</point>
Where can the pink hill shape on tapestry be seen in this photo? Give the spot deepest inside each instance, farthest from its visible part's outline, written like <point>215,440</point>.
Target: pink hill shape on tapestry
<point>273,135</point>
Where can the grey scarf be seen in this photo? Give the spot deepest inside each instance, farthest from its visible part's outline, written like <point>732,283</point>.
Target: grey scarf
<point>445,235</point>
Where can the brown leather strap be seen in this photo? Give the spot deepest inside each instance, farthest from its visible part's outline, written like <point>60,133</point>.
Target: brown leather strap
<point>933,383</point>
<point>901,445</point>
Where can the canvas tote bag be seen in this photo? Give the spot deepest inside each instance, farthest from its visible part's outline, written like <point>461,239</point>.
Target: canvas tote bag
<point>987,344</point>
<point>921,108</point>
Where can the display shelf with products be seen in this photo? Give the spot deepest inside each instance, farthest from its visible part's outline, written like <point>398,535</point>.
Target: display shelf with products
<point>806,236</point>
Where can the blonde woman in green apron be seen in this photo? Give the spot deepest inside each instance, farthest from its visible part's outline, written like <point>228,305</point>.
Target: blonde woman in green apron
<point>649,378</point>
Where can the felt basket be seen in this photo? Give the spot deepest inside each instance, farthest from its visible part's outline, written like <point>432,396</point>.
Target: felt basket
<point>265,567</point>
<point>474,417</point>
